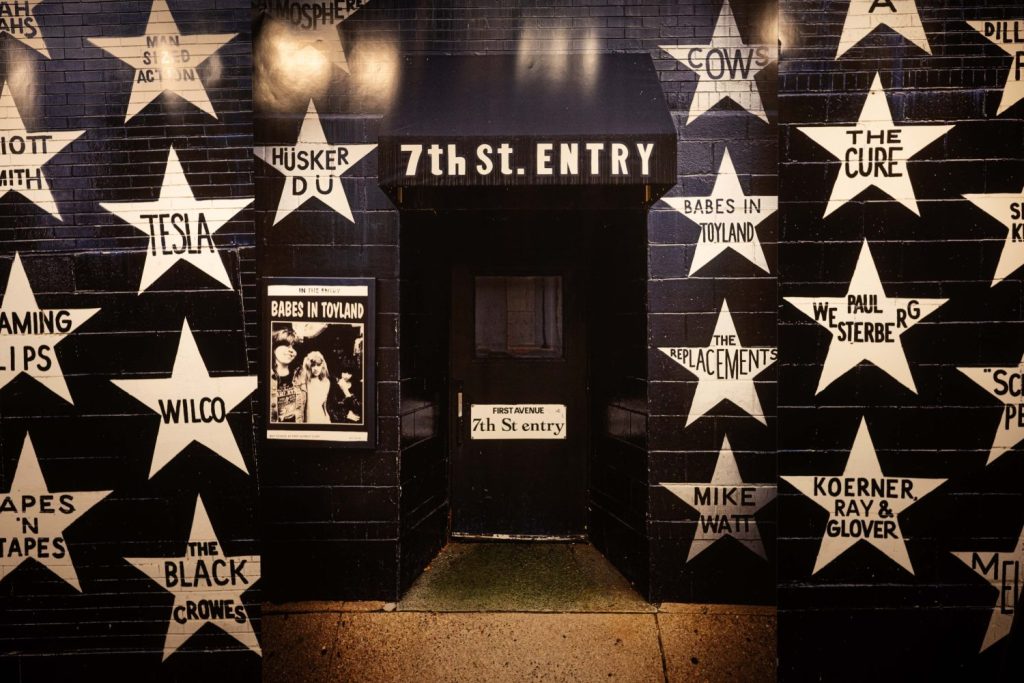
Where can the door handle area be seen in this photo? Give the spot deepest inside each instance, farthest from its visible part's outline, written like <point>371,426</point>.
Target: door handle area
<point>458,412</point>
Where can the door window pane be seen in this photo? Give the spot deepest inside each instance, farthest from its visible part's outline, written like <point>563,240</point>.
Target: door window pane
<point>519,316</point>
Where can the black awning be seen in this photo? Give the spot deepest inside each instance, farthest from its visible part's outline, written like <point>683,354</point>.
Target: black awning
<point>540,121</point>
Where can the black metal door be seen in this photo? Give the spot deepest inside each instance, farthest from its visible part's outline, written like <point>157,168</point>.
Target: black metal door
<point>518,369</point>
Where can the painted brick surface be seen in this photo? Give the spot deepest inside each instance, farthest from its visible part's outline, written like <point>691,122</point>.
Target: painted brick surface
<point>363,523</point>
<point>78,252</point>
<point>907,606</point>
<point>640,440</point>
<point>689,284</point>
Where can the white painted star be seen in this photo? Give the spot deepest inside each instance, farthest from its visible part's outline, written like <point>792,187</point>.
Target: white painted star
<point>874,151</point>
<point>999,381</point>
<point>1008,209</point>
<point>1009,36</point>
<point>863,504</point>
<point>29,335</point>
<point>179,226</point>
<point>866,325</point>
<point>725,369</point>
<point>164,60</point>
<point>192,405</point>
<point>313,168</point>
<point>30,512</point>
<point>21,23</point>
<point>207,585</point>
<point>1003,571</point>
<point>726,506</point>
<point>728,219</point>
<point>725,68</point>
<point>864,16</point>
<point>23,154</point>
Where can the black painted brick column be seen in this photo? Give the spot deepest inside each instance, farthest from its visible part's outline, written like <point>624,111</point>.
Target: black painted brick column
<point>683,310</point>
<point>115,627</point>
<point>862,614</point>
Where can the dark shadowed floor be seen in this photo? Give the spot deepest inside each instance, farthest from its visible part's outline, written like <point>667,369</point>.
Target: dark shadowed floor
<point>522,577</point>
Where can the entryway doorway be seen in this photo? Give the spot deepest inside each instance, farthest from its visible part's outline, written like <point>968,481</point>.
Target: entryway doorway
<point>526,328</point>
<point>519,430</point>
<point>523,186</point>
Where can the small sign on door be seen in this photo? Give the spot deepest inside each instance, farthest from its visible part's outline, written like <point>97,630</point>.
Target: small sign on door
<point>517,421</point>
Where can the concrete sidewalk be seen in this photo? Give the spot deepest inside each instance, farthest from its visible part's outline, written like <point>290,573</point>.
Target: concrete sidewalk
<point>497,612</point>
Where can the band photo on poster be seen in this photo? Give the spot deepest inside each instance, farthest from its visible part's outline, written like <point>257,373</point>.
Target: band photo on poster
<point>321,346</point>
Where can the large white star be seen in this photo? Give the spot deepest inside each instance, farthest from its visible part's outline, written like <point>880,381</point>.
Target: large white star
<point>874,151</point>
<point>865,324</point>
<point>179,226</point>
<point>29,335</point>
<point>728,219</point>
<point>1003,382</point>
<point>192,405</point>
<point>207,585</point>
<point>1002,571</point>
<point>313,168</point>
<point>20,22</point>
<point>164,60</point>
<point>725,369</point>
<point>726,506</point>
<point>863,504</point>
<point>23,154</point>
<point>1009,36</point>
<point>33,520</point>
<point>864,16</point>
<point>725,68</point>
<point>1008,209</point>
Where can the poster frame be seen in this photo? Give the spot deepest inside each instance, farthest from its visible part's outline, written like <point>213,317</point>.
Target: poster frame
<point>272,433</point>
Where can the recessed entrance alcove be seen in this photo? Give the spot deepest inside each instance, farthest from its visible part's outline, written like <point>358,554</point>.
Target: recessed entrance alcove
<point>523,187</point>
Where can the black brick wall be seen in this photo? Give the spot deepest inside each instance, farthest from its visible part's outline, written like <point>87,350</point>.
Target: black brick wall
<point>115,628</point>
<point>352,523</point>
<point>378,552</point>
<point>683,310</point>
<point>331,517</point>
<point>862,615</point>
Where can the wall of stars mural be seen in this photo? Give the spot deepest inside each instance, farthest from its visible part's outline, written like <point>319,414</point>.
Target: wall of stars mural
<point>128,537</point>
<point>806,329</point>
<point>708,265</point>
<point>900,493</point>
